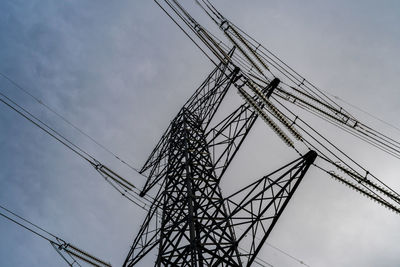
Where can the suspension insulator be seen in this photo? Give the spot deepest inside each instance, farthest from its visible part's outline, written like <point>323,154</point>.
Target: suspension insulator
<point>266,118</point>
<point>278,114</point>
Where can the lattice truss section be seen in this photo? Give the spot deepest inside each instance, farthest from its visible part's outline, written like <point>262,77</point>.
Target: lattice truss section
<point>255,209</point>
<point>189,220</point>
<point>223,138</point>
<point>190,232</point>
<point>294,95</point>
<point>199,227</point>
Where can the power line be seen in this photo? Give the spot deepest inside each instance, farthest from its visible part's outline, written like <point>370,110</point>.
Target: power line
<point>69,144</point>
<point>287,254</point>
<point>26,227</point>
<point>134,198</point>
<point>367,113</point>
<point>75,148</point>
<point>122,191</point>
<point>376,137</point>
<point>52,110</point>
<point>103,170</point>
<point>63,248</point>
<point>46,128</point>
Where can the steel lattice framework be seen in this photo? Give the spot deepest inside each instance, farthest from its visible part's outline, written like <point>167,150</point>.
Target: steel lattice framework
<point>190,222</point>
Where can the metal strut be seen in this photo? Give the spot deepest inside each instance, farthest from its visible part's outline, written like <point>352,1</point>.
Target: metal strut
<point>190,222</point>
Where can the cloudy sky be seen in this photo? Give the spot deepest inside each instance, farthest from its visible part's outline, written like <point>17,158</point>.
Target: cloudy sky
<point>121,70</point>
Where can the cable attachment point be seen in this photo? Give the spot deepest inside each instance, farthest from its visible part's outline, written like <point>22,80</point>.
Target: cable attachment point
<point>97,165</point>
<point>63,246</point>
<point>224,25</point>
<point>302,82</point>
<point>197,27</point>
<point>294,121</point>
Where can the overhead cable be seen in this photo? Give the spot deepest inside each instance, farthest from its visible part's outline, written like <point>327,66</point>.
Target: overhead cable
<point>52,110</point>
<point>63,248</point>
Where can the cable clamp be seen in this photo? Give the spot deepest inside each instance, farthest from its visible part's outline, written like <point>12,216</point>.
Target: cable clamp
<point>294,121</point>
<point>97,165</point>
<point>63,246</point>
<point>222,25</point>
<point>197,27</point>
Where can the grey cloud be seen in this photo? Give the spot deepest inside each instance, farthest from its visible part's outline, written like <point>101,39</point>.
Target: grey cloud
<point>121,71</point>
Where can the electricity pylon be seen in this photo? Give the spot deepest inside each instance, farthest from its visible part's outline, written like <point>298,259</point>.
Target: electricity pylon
<point>190,222</point>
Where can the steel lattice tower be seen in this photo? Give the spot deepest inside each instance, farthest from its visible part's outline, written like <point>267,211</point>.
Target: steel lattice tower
<point>190,222</point>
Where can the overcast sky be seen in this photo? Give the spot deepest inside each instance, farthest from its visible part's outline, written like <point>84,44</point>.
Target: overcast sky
<point>121,70</point>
